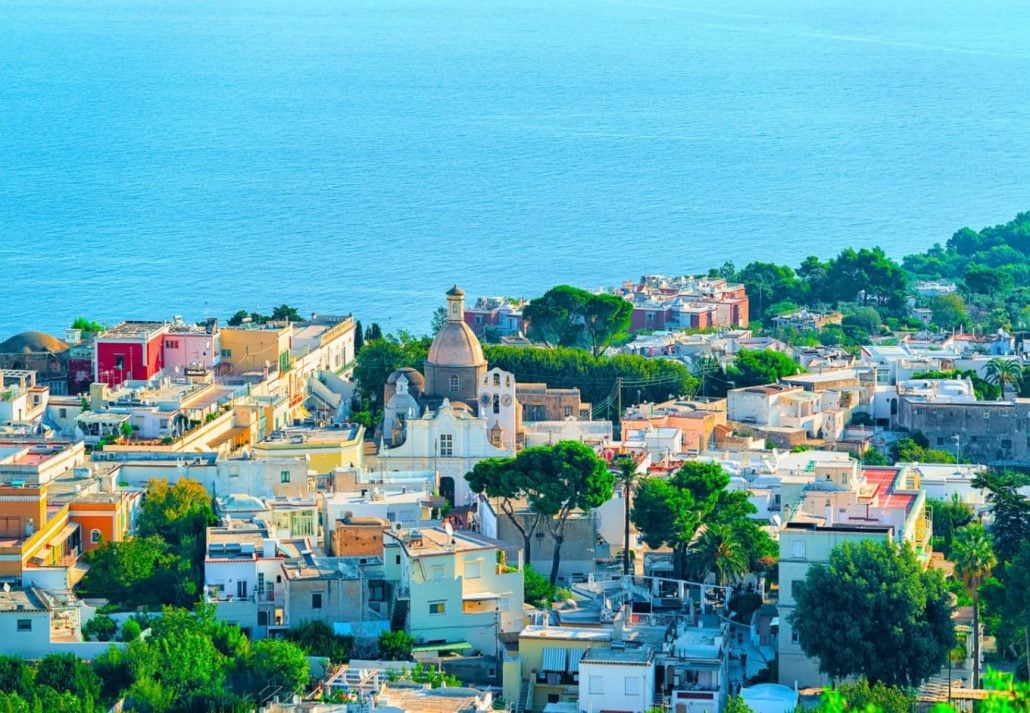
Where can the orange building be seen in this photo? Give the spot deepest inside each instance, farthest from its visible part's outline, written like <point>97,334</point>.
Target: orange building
<point>104,517</point>
<point>33,534</point>
<point>697,421</point>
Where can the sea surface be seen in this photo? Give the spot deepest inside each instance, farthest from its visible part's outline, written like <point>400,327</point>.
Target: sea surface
<point>163,157</point>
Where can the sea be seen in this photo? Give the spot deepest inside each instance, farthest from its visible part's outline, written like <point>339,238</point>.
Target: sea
<point>189,157</point>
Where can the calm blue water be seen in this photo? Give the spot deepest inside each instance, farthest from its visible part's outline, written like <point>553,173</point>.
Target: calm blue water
<point>177,156</point>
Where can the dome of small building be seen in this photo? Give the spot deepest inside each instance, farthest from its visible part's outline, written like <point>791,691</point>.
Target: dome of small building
<point>416,382</point>
<point>32,343</point>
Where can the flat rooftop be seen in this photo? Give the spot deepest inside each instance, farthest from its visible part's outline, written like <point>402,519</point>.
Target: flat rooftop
<point>434,541</point>
<point>565,633</point>
<point>19,599</point>
<point>132,330</point>
<point>641,657</point>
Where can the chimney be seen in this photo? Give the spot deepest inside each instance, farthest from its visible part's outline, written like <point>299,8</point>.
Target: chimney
<point>268,548</point>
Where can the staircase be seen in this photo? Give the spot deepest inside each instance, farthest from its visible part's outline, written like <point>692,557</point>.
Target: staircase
<point>399,619</point>
<point>520,707</point>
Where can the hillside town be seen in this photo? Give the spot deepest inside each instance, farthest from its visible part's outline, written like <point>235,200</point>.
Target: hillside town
<point>641,499</point>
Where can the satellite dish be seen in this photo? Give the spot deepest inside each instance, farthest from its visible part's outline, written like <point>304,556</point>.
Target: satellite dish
<point>448,529</point>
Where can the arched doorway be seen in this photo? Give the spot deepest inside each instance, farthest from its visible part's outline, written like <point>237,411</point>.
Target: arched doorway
<point>447,489</point>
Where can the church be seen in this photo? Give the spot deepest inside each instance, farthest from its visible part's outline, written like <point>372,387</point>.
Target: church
<point>453,414</point>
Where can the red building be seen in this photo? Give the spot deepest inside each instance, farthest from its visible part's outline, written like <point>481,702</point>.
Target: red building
<point>129,351</point>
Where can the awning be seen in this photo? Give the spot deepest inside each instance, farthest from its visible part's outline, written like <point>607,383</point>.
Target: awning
<point>554,660</point>
<point>429,648</point>
<point>479,596</point>
<point>301,412</point>
<point>574,656</point>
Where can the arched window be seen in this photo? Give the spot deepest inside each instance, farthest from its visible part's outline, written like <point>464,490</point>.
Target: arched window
<point>497,379</point>
<point>95,537</point>
<point>455,383</point>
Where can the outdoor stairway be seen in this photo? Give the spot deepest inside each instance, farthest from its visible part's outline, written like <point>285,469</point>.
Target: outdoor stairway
<point>399,619</point>
<point>523,697</point>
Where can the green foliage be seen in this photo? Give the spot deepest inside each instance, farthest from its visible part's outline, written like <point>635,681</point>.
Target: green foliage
<point>646,379</point>
<point>670,512</point>
<point>907,450</point>
<point>1004,372</point>
<point>274,664</point>
<point>736,704</point>
<point>973,554</point>
<point>949,311</point>
<point>752,367</point>
<point>101,627</point>
<point>67,673</point>
<point>860,695</point>
<point>131,630</point>
<point>948,517</point>
<point>87,325</point>
<point>872,611</point>
<point>744,604</point>
<point>570,317</point>
<point>16,675</point>
<point>1010,527</point>
<point>874,456</point>
<point>382,356</point>
<point>537,588</point>
<point>316,638</point>
<point>395,645</point>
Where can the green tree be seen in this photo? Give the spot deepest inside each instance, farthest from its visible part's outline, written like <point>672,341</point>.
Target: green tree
<point>359,337</point>
<point>752,367</point>
<point>560,480</point>
<point>285,313</point>
<point>16,676</point>
<point>438,320</point>
<point>238,318</point>
<point>669,512</point>
<point>949,516</point>
<point>395,645</point>
<point>872,611</point>
<point>537,589</point>
<point>717,551</point>
<point>68,673</point>
<point>949,311</point>
<point>318,639</point>
<point>974,558</point>
<point>860,697</point>
<point>606,320</point>
<point>1010,510</point>
<point>87,325</point>
<point>568,316</point>
<point>114,670</point>
<point>373,332</point>
<point>278,665</point>
<point>1002,373</point>
<point>981,279</point>
<point>735,704</point>
<point>767,284</point>
<point>627,478</point>
<point>862,323</point>
<point>503,479</point>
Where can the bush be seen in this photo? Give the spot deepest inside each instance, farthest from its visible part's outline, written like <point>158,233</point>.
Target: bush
<point>101,627</point>
<point>395,645</point>
<point>744,605</point>
<point>131,630</point>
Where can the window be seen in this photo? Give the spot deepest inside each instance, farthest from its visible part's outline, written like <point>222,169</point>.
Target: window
<point>227,353</point>
<point>940,440</point>
<point>25,625</point>
<point>794,638</point>
<point>568,411</point>
<point>455,383</point>
<point>1006,443</point>
<point>63,412</point>
<point>497,379</point>
<point>844,479</point>
<point>316,600</point>
<point>505,603</point>
<point>171,344</point>
<point>284,476</point>
<point>437,572</point>
<point>797,550</point>
<point>472,570</point>
<point>397,559</point>
<point>95,536</point>
<point>262,618</point>
<point>119,361</point>
<point>795,585</point>
<point>497,403</point>
<point>446,445</point>
<point>597,684</point>
<point>241,589</point>
<point>437,607</point>
<point>632,686</point>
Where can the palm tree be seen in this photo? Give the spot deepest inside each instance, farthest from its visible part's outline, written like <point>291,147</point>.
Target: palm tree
<point>717,550</point>
<point>973,554</point>
<point>1002,372</point>
<point>627,478</point>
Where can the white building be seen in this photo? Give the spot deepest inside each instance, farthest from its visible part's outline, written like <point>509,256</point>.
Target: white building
<point>613,679</point>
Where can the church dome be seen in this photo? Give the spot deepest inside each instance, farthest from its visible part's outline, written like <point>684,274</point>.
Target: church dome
<point>456,345</point>
<point>32,343</point>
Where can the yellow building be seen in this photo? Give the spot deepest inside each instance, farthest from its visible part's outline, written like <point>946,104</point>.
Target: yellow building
<point>324,448</point>
<point>254,347</point>
<point>545,668</point>
<point>32,534</point>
